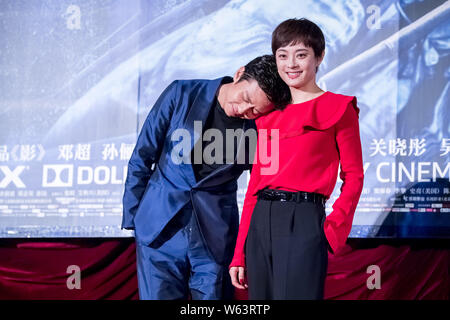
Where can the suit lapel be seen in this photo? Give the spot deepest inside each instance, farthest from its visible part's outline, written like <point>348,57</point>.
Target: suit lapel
<point>202,102</point>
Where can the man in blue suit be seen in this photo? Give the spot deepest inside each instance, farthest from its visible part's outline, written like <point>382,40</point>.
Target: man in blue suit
<point>182,202</point>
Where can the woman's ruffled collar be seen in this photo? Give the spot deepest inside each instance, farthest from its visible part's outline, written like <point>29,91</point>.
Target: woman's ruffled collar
<point>320,113</point>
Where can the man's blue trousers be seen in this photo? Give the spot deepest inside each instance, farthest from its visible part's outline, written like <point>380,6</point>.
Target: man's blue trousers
<point>181,267</point>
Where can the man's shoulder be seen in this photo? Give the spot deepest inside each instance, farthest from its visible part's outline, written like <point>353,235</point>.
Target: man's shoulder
<point>190,81</point>
<point>196,82</point>
<point>179,86</point>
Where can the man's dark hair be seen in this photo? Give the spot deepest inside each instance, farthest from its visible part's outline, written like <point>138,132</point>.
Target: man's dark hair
<point>294,31</point>
<point>263,69</point>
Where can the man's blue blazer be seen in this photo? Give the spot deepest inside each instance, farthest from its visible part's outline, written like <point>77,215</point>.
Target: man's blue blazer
<point>157,188</point>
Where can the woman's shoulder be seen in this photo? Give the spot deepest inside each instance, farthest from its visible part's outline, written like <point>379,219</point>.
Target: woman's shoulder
<point>339,99</point>
<point>327,111</point>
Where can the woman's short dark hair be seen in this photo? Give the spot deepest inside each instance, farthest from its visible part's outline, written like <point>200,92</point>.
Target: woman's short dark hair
<point>294,31</point>
<point>263,69</point>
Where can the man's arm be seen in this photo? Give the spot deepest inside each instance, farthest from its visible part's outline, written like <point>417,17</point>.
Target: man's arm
<point>146,153</point>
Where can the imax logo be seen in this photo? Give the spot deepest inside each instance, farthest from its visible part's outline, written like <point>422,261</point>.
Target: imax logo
<point>12,176</point>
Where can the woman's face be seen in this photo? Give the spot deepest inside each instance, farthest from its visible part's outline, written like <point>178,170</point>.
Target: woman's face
<point>297,65</point>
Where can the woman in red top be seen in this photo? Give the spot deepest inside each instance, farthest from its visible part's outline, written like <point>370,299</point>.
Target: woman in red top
<point>284,233</point>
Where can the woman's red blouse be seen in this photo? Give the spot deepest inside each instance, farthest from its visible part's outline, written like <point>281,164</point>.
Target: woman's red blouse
<point>314,137</point>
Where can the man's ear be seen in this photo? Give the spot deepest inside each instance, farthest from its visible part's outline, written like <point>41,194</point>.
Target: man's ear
<point>238,74</point>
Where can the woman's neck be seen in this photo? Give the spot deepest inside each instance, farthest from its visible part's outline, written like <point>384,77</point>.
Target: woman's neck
<point>303,94</point>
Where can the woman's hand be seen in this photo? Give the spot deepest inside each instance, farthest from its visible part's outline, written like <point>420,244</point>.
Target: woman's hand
<point>237,275</point>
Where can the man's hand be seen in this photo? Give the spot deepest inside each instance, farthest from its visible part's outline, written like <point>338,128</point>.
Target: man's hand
<point>238,277</point>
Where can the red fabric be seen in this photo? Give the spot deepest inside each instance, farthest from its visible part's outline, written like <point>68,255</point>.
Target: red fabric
<point>406,274</point>
<point>315,137</point>
<point>31,269</point>
<point>38,269</point>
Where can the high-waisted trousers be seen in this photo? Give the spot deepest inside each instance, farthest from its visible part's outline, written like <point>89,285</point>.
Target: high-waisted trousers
<point>286,251</point>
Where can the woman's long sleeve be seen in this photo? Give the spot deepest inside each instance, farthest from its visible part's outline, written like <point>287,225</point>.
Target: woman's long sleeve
<point>338,223</point>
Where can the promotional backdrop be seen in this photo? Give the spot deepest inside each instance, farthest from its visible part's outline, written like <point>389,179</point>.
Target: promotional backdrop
<point>78,78</point>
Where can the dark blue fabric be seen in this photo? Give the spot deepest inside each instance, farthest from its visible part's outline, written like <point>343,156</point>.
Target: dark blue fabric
<point>181,267</point>
<point>152,198</point>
